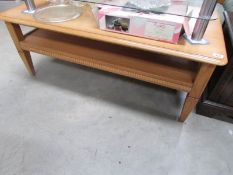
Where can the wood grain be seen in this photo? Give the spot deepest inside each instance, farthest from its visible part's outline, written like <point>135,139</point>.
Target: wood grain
<point>202,78</point>
<point>17,36</point>
<point>138,64</point>
<point>86,27</point>
<point>188,106</point>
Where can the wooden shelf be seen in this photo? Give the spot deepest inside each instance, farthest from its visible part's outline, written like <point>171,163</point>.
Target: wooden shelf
<point>142,65</point>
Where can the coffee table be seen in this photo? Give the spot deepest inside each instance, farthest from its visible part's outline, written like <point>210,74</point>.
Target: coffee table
<point>183,67</point>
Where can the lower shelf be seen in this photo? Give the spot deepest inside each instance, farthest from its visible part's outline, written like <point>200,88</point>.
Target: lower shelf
<point>142,65</point>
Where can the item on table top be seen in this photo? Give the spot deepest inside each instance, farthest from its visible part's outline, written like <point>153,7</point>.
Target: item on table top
<point>148,4</point>
<point>162,27</point>
<point>57,11</point>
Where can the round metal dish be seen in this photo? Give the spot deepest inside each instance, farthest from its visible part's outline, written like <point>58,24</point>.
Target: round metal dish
<point>57,13</point>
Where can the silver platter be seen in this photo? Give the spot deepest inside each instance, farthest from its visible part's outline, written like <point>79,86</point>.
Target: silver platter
<point>57,13</point>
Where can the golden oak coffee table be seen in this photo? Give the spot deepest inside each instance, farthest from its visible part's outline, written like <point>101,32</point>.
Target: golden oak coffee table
<point>183,67</point>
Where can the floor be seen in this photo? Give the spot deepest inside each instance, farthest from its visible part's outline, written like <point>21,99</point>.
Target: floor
<point>72,120</point>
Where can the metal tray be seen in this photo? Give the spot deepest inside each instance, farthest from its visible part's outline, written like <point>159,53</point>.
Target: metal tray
<point>57,13</point>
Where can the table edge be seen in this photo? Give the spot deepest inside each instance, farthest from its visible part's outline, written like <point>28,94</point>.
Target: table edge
<point>118,41</point>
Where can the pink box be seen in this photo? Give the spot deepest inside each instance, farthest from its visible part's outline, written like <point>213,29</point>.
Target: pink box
<point>162,27</point>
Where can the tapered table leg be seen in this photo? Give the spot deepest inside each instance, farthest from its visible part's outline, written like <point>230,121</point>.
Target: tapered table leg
<point>202,78</point>
<point>17,36</point>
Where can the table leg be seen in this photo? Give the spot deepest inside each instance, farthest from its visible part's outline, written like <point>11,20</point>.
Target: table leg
<point>17,36</point>
<point>202,78</point>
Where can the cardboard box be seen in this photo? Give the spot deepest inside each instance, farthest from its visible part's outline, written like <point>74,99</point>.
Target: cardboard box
<point>162,27</point>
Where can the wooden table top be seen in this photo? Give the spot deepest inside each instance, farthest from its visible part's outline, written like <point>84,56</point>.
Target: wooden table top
<point>85,26</point>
